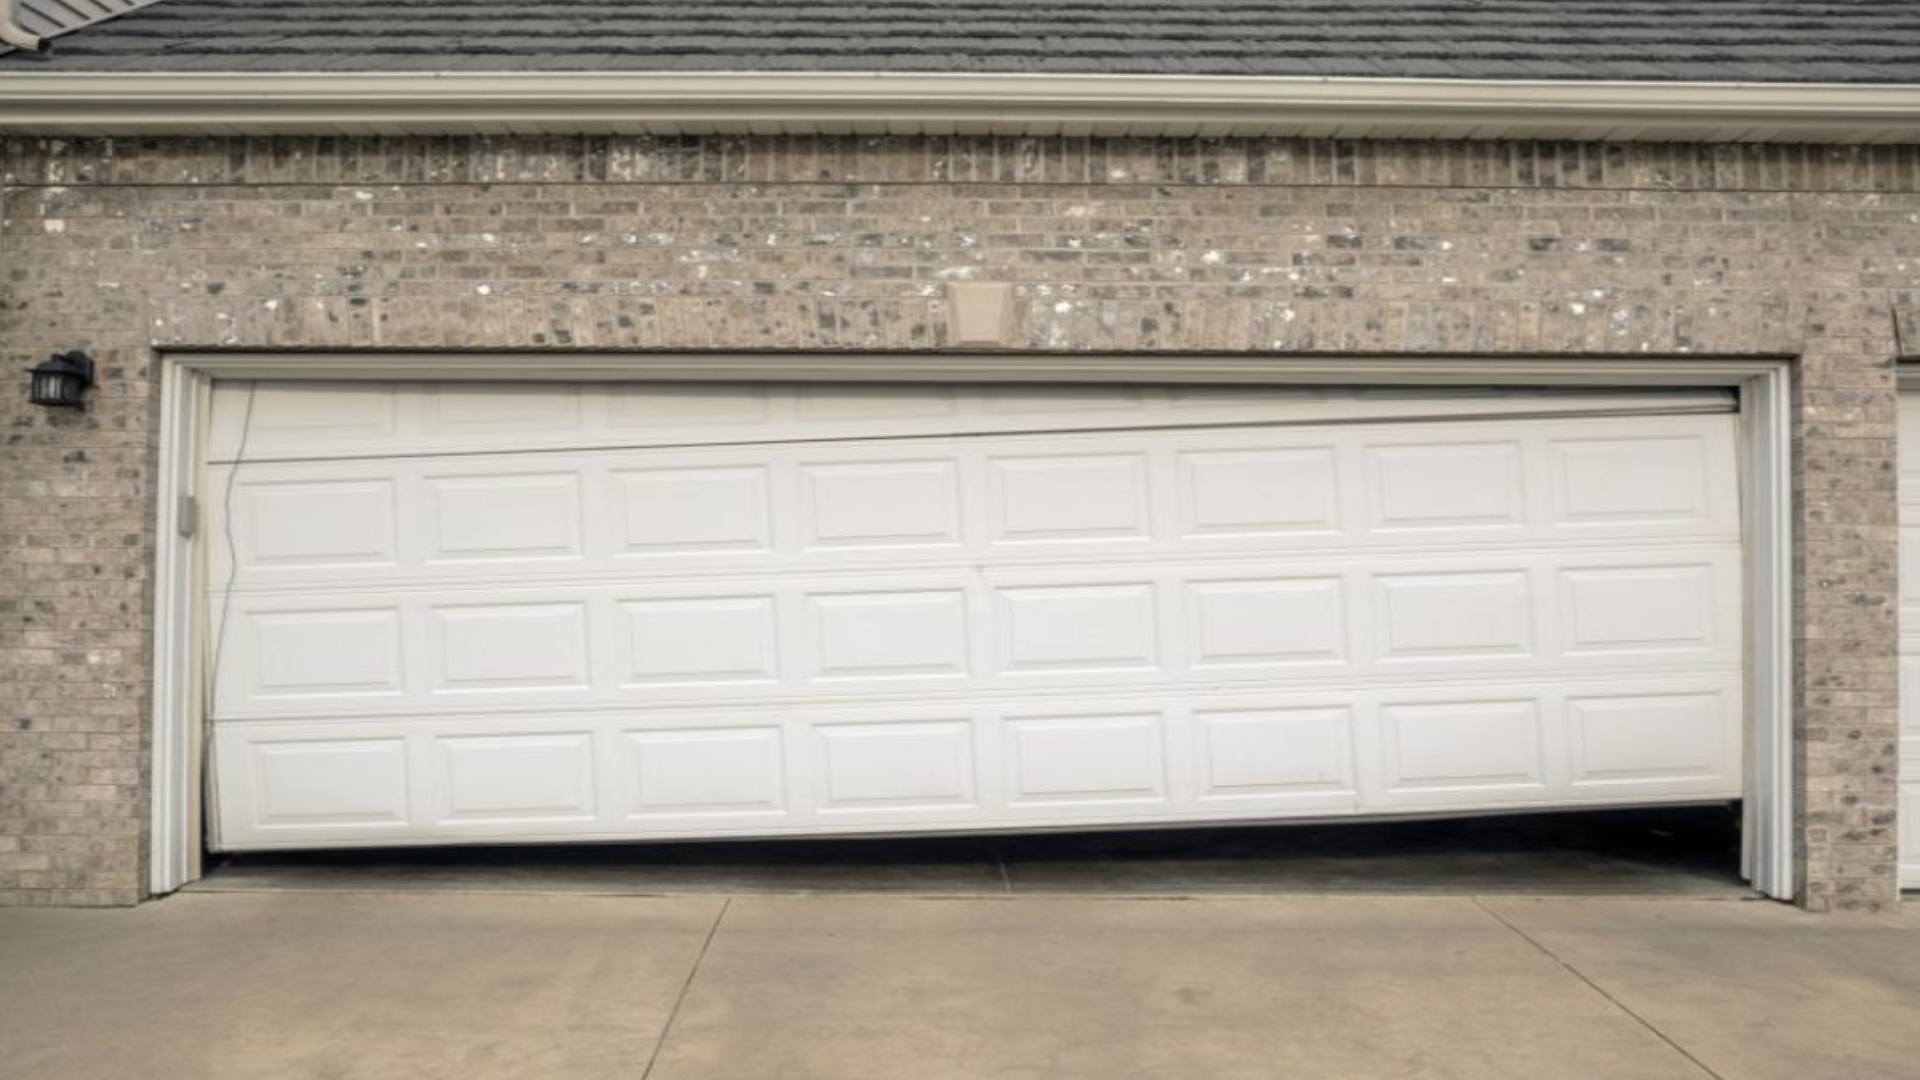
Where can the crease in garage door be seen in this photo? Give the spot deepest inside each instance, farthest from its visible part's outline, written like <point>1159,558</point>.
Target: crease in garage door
<point>480,613</point>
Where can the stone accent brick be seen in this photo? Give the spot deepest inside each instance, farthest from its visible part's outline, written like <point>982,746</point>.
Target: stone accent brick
<point>131,248</point>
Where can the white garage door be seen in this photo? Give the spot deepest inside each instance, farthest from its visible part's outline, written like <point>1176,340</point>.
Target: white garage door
<point>463,613</point>
<point>1909,827</point>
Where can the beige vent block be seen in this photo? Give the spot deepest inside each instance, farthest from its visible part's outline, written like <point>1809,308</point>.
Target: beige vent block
<point>980,313</point>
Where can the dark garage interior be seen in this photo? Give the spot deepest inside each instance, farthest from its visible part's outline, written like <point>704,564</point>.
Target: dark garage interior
<point>1687,850</point>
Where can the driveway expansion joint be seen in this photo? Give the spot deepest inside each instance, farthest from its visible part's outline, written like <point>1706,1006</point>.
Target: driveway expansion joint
<point>685,987</point>
<point>1706,1069</point>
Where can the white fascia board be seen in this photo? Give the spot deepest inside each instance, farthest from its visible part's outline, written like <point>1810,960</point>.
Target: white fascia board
<point>74,103</point>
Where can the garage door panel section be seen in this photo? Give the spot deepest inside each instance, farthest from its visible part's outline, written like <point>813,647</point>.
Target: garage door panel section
<point>1000,629</point>
<point>1003,762</point>
<point>1408,619</point>
<point>1008,499</point>
<point>290,419</point>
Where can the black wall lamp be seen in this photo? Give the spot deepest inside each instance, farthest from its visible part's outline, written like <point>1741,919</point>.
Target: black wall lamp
<point>62,379</point>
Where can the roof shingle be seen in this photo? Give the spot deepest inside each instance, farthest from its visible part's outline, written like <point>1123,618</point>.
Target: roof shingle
<point>1860,41</point>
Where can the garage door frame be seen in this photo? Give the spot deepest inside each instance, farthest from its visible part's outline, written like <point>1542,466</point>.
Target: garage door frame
<point>185,389</point>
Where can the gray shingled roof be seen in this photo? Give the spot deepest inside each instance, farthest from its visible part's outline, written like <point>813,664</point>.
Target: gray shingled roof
<point>1703,40</point>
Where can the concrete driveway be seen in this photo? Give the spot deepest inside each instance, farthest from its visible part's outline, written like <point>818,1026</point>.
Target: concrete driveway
<point>445,984</point>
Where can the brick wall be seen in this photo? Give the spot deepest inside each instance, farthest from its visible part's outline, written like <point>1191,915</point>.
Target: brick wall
<point>131,248</point>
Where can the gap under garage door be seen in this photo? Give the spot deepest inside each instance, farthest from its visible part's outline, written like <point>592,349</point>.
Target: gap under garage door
<point>449,613</point>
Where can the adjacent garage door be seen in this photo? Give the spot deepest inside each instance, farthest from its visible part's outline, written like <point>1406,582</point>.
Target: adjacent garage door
<point>449,613</point>
<point>1909,825</point>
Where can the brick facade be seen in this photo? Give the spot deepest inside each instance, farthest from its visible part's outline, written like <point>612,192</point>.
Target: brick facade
<point>128,249</point>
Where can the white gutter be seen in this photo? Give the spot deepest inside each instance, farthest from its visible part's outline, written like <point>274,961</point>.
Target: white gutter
<point>77,103</point>
<point>12,33</point>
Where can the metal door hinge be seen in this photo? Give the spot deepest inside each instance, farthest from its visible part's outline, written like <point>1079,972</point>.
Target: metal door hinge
<point>187,516</point>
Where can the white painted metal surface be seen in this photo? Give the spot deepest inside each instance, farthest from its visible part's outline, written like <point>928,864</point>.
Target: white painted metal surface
<point>529,613</point>
<point>1910,637</point>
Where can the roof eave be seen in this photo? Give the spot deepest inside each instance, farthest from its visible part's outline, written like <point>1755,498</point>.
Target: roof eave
<point>83,104</point>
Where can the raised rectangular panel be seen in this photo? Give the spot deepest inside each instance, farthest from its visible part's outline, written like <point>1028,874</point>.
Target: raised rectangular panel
<point>321,782</point>
<point>1071,497</point>
<point>1247,752</point>
<point>1618,481</point>
<point>880,401</point>
<point>1637,608</point>
<point>1116,758</point>
<point>889,634</point>
<point>912,764</point>
<point>1462,745</point>
<point>1446,486</point>
<point>481,408</point>
<point>1260,492</point>
<point>300,414</point>
<point>513,646</point>
<point>1260,622</point>
<point>324,653</point>
<point>708,770</point>
<point>513,777</point>
<point>1438,616</point>
<point>1654,737</point>
<point>703,639</point>
<point>654,405</point>
<point>505,517</point>
<point>1077,628</point>
<point>668,511</point>
<point>316,523</point>
<point>882,504</point>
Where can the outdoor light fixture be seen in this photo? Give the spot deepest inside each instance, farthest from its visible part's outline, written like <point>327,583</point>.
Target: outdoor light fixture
<point>62,379</point>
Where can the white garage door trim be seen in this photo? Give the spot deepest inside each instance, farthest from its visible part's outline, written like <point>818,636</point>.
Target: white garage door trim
<point>185,382</point>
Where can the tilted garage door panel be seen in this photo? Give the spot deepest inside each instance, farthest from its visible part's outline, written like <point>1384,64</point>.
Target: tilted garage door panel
<point>993,631</point>
<point>313,420</point>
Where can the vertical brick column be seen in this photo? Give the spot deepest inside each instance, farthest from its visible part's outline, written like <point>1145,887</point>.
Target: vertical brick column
<point>1846,634</point>
<point>76,552</point>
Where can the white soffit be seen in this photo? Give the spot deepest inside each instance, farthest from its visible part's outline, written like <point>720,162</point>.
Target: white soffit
<point>72,103</point>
